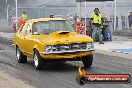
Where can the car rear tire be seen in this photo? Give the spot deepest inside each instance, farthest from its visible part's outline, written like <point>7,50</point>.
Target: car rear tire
<point>87,61</point>
<point>20,57</point>
<point>38,63</point>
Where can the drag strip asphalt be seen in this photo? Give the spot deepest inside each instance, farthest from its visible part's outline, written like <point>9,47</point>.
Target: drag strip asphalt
<point>61,75</point>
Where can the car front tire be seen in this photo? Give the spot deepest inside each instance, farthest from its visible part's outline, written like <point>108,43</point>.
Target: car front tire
<point>38,63</point>
<point>87,61</point>
<point>20,57</point>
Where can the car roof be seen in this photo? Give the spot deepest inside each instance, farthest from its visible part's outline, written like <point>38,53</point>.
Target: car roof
<point>44,19</point>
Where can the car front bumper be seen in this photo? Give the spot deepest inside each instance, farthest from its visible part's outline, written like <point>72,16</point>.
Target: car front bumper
<point>66,54</point>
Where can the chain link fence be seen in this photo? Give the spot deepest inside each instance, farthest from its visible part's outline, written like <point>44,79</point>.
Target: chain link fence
<point>63,11</point>
<point>40,12</point>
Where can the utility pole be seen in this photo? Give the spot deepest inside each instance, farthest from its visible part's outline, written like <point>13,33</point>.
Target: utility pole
<point>16,15</point>
<point>7,11</point>
<point>46,7</point>
<point>115,13</point>
<point>85,16</point>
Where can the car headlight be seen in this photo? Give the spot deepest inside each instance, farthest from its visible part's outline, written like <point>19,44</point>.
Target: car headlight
<point>48,48</point>
<point>90,46</point>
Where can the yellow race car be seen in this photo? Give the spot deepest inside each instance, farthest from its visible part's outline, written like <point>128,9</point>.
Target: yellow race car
<point>52,39</point>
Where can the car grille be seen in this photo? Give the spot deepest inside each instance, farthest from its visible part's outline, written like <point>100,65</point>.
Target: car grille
<point>73,46</point>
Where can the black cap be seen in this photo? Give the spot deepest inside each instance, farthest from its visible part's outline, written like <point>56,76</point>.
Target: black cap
<point>96,8</point>
<point>51,16</point>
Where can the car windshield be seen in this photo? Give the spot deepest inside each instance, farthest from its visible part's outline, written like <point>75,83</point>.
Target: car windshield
<point>52,26</point>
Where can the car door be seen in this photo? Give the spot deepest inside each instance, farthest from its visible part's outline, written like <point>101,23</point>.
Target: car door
<point>21,40</point>
<point>29,42</point>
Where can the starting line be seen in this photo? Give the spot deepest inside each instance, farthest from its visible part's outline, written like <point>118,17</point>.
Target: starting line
<point>125,51</point>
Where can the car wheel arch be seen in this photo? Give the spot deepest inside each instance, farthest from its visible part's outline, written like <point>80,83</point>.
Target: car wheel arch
<point>16,46</point>
<point>35,48</point>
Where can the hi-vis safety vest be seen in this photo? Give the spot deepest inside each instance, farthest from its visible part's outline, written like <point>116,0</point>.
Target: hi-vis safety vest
<point>24,17</point>
<point>96,18</point>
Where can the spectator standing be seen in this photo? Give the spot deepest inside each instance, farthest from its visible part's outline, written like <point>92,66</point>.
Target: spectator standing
<point>96,21</point>
<point>24,15</point>
<point>130,20</point>
<point>123,21</point>
<point>117,22</point>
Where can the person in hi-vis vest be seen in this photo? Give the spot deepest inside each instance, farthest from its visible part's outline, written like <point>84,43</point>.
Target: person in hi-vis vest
<point>24,15</point>
<point>23,19</point>
<point>96,22</point>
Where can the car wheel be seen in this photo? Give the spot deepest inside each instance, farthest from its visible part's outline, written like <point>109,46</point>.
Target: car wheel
<point>87,61</point>
<point>38,63</point>
<point>20,57</point>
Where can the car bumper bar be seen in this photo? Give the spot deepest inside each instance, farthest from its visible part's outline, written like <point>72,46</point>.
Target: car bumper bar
<point>68,51</point>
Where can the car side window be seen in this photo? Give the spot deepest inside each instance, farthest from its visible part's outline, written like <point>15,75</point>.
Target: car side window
<point>29,27</point>
<point>34,29</point>
<point>23,32</point>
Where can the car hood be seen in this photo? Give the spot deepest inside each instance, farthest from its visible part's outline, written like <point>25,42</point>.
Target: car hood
<point>61,37</point>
